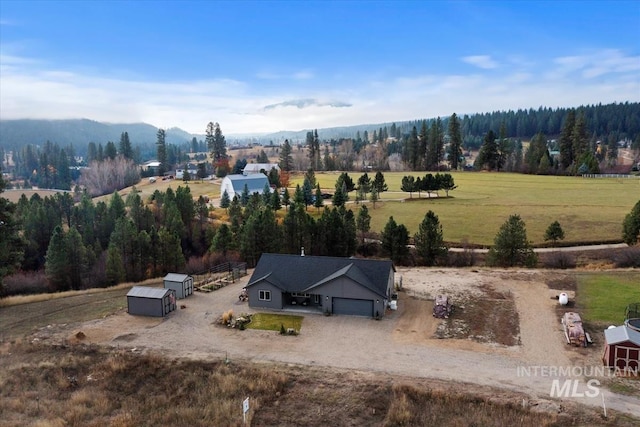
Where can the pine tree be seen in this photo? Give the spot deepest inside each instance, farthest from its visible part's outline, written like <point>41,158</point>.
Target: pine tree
<point>395,239</point>
<point>554,233</point>
<point>511,247</point>
<point>379,183</point>
<point>567,154</point>
<point>631,226</point>
<point>161,150</point>
<point>317,200</point>
<point>57,261</point>
<point>225,201</point>
<point>429,240</point>
<point>114,270</point>
<point>125,148</point>
<point>455,142</point>
<point>11,242</point>
<point>286,158</point>
<point>222,241</point>
<point>363,222</point>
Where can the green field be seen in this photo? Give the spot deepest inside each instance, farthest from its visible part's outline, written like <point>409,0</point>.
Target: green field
<point>605,296</point>
<point>589,210</point>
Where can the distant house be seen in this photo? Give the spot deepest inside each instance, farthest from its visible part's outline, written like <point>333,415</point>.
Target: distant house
<point>351,286</point>
<point>145,301</point>
<point>182,284</point>
<point>191,168</point>
<point>252,168</point>
<point>151,165</point>
<point>234,184</point>
<point>622,348</point>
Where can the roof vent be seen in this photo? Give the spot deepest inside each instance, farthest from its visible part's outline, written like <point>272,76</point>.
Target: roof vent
<point>302,251</point>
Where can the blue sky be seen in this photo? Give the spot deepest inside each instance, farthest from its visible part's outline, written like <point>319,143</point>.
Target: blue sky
<point>265,66</point>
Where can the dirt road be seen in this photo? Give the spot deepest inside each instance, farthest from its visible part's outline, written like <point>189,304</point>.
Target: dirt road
<point>402,343</point>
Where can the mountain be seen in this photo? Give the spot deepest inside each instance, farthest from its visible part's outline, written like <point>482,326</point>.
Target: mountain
<point>79,132</point>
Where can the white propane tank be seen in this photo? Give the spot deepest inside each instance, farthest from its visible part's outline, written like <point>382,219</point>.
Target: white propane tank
<point>563,298</point>
<point>393,305</point>
<point>611,327</point>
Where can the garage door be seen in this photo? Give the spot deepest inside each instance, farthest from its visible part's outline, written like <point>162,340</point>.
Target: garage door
<point>357,307</point>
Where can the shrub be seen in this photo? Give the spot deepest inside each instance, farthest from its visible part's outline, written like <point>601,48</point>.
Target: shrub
<point>562,260</point>
<point>283,331</point>
<point>628,258</point>
<point>25,283</point>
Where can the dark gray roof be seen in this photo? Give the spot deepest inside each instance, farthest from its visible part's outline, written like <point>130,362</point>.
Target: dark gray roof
<point>176,277</point>
<point>295,273</point>
<point>255,183</point>
<point>146,292</point>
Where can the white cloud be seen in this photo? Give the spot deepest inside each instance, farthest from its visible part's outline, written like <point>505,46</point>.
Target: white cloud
<point>481,61</point>
<point>30,90</point>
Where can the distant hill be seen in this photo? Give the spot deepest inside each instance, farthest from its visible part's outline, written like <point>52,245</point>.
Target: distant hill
<point>80,132</point>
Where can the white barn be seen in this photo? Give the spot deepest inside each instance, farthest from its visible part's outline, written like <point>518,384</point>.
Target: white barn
<point>234,184</point>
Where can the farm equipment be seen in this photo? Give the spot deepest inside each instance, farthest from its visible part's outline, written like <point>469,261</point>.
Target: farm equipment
<point>573,330</point>
<point>442,308</point>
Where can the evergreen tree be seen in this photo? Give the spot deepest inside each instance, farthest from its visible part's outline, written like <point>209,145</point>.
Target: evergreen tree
<point>57,261</point>
<point>488,157</point>
<point>125,148</point>
<point>554,233</point>
<point>455,142</point>
<point>225,201</point>
<point>170,256</point>
<point>11,242</point>
<point>379,183</point>
<point>110,150</point>
<point>286,198</point>
<point>511,247</point>
<point>161,150</point>
<point>317,199</point>
<point>413,156</point>
<point>363,222</point>
<point>286,158</point>
<point>395,239</point>
<point>76,252</point>
<point>244,196</point>
<point>429,240</point>
<point>631,226</point>
<point>274,201</point>
<point>580,138</point>
<point>114,269</point>
<point>567,155</point>
<point>222,242</point>
<point>373,197</point>
<point>408,185</point>
<point>339,197</point>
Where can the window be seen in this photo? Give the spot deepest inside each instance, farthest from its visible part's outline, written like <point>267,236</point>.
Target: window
<point>264,295</point>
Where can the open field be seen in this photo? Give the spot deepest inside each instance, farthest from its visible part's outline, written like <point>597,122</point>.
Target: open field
<point>605,296</point>
<point>589,210</point>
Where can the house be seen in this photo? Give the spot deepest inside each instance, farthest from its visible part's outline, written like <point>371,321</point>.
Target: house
<point>252,168</point>
<point>331,285</point>
<point>191,168</point>
<point>234,184</point>
<point>145,301</point>
<point>622,348</point>
<point>152,165</point>
<point>182,284</point>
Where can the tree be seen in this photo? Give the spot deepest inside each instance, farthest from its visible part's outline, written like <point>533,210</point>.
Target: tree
<point>446,182</point>
<point>339,197</point>
<point>125,148</point>
<point>186,177</point>
<point>395,239</point>
<point>429,240</point>
<point>202,171</point>
<point>114,269</point>
<point>161,151</point>
<point>379,183</point>
<point>363,222</point>
<point>489,157</point>
<point>554,233</point>
<point>408,185</point>
<point>216,142</point>
<point>222,241</point>
<point>225,200</point>
<point>373,197</point>
<point>511,247</point>
<point>262,157</point>
<point>631,226</point>
<point>244,196</point>
<point>455,142</point>
<point>317,200</point>
<point>286,159</point>
<point>567,155</point>
<point>11,242</point>
<point>57,261</point>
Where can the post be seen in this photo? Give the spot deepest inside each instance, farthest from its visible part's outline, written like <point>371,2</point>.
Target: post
<point>245,409</point>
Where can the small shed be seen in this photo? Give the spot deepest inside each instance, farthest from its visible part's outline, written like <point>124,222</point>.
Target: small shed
<point>182,284</point>
<point>144,301</point>
<point>622,348</point>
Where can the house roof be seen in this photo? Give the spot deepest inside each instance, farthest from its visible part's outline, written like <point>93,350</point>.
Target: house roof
<point>176,277</point>
<point>295,273</point>
<point>146,292</point>
<point>620,334</point>
<point>255,182</point>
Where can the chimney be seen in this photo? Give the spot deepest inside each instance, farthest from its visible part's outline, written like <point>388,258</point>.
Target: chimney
<point>302,251</point>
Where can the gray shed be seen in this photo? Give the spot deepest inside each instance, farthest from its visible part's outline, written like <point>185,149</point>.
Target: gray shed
<point>181,283</point>
<point>145,301</point>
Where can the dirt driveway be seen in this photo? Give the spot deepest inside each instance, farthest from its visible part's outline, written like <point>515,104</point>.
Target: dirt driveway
<point>402,343</point>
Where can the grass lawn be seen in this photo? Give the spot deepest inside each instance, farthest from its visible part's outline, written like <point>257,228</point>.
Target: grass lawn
<point>588,210</point>
<point>605,296</point>
<point>272,322</point>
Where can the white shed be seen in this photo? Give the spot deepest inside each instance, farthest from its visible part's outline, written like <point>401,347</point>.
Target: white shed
<point>234,184</point>
<point>182,284</point>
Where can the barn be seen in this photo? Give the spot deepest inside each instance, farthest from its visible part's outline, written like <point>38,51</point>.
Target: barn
<point>144,301</point>
<point>234,184</point>
<point>330,285</point>
<point>622,348</point>
<point>182,284</point>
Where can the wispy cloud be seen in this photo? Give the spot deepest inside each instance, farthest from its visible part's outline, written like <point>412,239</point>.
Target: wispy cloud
<point>481,61</point>
<point>29,88</point>
<point>298,75</point>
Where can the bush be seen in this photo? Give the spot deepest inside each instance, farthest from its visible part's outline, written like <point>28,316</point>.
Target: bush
<point>25,283</point>
<point>283,331</point>
<point>628,258</point>
<point>561,260</point>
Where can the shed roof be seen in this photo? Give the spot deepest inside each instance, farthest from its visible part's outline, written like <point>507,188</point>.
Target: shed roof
<point>176,277</point>
<point>621,334</point>
<point>146,292</point>
<point>295,273</point>
<point>254,182</point>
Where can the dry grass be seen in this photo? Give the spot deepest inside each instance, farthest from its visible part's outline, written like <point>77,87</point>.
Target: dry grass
<point>88,386</point>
